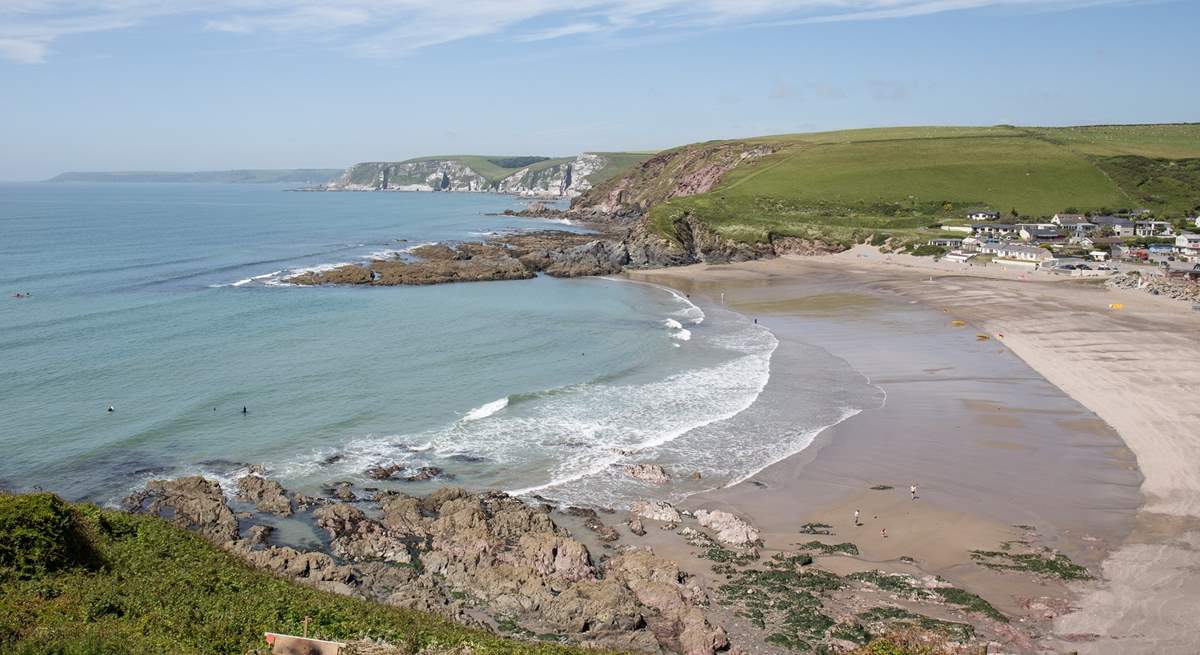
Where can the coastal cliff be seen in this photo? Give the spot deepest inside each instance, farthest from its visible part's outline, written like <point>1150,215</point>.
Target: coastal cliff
<point>541,177</point>
<point>626,236</point>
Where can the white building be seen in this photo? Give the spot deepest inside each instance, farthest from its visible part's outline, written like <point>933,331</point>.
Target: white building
<point>997,229</point>
<point>962,229</point>
<point>1187,246</point>
<point>1152,229</point>
<point>1068,219</point>
<point>1017,252</point>
<point>983,216</point>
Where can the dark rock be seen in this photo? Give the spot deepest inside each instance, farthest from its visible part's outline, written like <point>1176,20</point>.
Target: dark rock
<point>343,492</point>
<point>192,502</point>
<point>605,532</point>
<point>259,534</point>
<point>425,473</point>
<point>583,512</point>
<point>267,495</point>
<point>599,257</point>
<point>383,472</point>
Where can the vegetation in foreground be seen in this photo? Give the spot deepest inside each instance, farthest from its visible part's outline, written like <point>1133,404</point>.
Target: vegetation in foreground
<point>790,602</point>
<point>76,579</point>
<point>846,187</point>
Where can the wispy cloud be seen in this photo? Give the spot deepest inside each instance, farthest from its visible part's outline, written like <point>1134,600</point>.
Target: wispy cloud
<point>29,29</point>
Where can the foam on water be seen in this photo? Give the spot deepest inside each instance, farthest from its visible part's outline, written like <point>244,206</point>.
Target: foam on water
<point>484,411</point>
<point>559,442</point>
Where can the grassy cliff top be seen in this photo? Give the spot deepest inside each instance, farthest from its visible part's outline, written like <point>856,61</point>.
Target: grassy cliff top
<point>75,579</point>
<point>497,167</point>
<point>908,178</point>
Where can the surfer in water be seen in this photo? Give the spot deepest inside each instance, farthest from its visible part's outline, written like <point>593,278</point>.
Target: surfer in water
<point>244,410</point>
<point>111,409</point>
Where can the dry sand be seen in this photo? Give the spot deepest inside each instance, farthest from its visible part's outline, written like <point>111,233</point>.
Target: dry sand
<point>990,442</point>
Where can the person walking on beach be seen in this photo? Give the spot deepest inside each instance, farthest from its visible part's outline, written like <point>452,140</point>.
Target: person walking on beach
<point>856,518</point>
<point>912,489</point>
<point>883,531</point>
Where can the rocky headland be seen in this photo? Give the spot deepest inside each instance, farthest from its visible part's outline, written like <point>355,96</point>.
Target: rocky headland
<point>489,560</point>
<point>615,209</point>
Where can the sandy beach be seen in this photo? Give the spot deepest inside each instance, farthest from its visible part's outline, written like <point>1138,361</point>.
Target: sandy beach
<point>1024,408</point>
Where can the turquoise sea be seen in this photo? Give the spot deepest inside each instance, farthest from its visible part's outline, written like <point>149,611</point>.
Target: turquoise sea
<point>166,302</point>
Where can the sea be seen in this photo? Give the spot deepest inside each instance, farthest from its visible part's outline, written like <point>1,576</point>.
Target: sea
<point>168,302</point>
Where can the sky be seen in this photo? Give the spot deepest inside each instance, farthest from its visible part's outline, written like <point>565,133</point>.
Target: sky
<point>215,84</point>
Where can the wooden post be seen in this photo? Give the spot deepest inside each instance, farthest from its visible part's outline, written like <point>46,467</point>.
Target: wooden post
<point>306,627</point>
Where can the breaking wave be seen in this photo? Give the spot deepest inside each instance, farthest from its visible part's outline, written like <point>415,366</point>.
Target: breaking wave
<point>484,411</point>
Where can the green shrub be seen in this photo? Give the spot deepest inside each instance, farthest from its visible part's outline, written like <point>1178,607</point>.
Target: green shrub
<point>165,590</point>
<point>40,533</point>
<point>928,250</point>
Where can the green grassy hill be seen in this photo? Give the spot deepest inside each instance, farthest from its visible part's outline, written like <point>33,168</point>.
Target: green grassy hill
<point>77,580</point>
<point>901,179</point>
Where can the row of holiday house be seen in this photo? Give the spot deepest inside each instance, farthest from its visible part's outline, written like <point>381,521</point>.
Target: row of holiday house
<point>1035,243</point>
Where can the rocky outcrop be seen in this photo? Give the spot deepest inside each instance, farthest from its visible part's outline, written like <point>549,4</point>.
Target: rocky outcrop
<point>729,529</point>
<point>357,538</point>
<point>656,510</point>
<point>193,502</point>
<point>1178,288</point>
<point>479,558</point>
<point>468,262</point>
<point>652,473</point>
<point>383,471</point>
<point>259,534</point>
<point>599,257</point>
<point>425,473</point>
<point>314,569</point>
<point>267,495</point>
<point>658,583</point>
<point>413,175</point>
<point>533,176</point>
<point>554,178</point>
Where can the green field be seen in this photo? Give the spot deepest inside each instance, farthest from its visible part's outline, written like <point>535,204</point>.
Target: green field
<point>618,163</point>
<point>77,580</point>
<point>902,180</point>
<point>1167,141</point>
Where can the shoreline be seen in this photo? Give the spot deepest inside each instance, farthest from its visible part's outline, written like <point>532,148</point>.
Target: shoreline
<point>830,478</point>
<point>1141,541</point>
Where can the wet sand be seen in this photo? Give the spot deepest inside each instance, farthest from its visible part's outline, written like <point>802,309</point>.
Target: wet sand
<point>992,443</point>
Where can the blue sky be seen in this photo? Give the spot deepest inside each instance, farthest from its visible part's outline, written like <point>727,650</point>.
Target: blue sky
<point>192,85</point>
